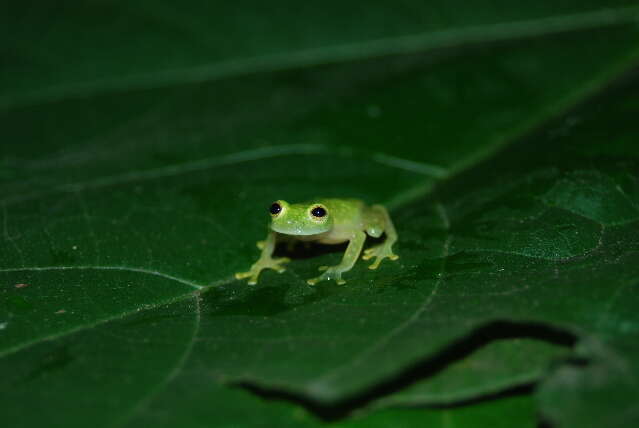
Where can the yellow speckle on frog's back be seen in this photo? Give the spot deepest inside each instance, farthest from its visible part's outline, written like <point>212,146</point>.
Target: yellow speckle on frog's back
<point>327,221</point>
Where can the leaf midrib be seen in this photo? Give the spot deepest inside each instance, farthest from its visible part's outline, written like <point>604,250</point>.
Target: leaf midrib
<point>367,49</point>
<point>250,155</point>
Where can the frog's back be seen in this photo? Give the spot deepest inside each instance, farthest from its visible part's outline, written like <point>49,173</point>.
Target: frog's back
<point>343,210</point>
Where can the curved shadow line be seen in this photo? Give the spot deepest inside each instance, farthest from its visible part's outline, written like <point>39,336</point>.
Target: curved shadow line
<point>458,350</point>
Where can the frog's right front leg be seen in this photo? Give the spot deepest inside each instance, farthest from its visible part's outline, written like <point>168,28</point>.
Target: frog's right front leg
<point>266,261</point>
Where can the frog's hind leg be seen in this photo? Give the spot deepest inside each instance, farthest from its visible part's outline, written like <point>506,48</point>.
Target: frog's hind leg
<point>380,222</point>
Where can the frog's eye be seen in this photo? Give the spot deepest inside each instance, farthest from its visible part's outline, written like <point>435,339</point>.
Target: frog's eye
<point>318,211</point>
<point>275,209</point>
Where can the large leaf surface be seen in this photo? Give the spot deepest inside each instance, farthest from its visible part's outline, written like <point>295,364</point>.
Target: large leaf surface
<point>125,214</point>
<point>79,47</point>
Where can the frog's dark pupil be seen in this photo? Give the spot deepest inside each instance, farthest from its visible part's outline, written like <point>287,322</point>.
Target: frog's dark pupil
<point>275,208</point>
<point>318,212</point>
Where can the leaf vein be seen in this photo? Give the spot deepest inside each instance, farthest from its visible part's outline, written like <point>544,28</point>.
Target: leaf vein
<point>145,307</point>
<point>145,401</point>
<point>319,384</point>
<point>116,268</point>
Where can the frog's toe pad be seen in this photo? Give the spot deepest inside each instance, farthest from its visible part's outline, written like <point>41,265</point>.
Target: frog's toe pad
<point>376,263</point>
<point>330,272</point>
<point>250,274</point>
<point>380,253</point>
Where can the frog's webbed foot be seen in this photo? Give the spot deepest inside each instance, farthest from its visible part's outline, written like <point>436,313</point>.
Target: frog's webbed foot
<point>380,252</point>
<point>330,272</point>
<point>261,264</point>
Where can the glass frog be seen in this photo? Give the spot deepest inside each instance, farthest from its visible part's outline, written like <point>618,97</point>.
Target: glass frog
<point>326,221</point>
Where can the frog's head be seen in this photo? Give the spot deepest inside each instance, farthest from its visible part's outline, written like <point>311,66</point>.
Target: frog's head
<point>300,219</point>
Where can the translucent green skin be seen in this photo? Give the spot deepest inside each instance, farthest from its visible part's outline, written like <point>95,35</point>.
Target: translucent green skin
<point>345,220</point>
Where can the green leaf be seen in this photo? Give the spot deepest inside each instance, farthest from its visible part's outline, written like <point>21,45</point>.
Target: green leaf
<point>126,45</point>
<point>135,185</point>
<point>601,393</point>
<point>494,368</point>
<point>513,411</point>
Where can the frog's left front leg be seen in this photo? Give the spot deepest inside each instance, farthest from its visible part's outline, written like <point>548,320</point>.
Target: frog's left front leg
<point>351,255</point>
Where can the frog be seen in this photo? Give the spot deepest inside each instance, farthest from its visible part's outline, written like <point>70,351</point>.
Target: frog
<point>325,221</point>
